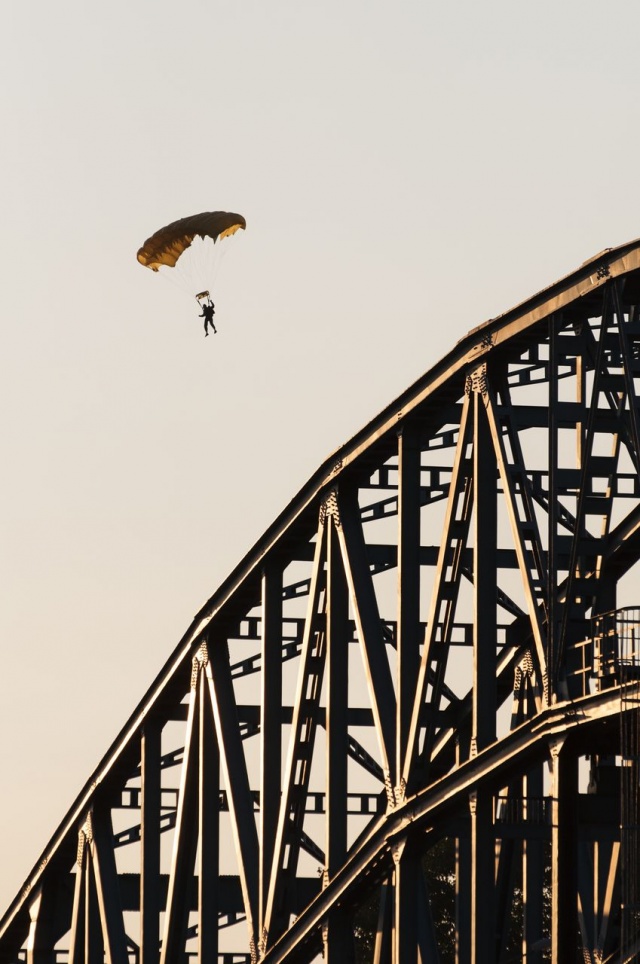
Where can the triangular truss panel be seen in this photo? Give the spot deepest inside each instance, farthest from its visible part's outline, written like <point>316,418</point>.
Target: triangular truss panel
<point>406,728</point>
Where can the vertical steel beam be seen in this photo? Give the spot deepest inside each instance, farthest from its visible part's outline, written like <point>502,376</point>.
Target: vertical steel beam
<point>408,639</point>
<point>93,940</point>
<point>483,727</point>
<point>270,730</point>
<point>405,887</point>
<point>427,938</point>
<point>103,860</point>
<point>463,899</point>
<point>581,398</point>
<point>338,933</point>
<point>208,829</point>
<point>483,915</point>
<point>508,854</point>
<point>564,852</point>
<point>484,581</point>
<point>553,514</point>
<point>150,842</point>
<point>628,374</point>
<point>532,871</point>
<point>185,838</point>
<point>337,704</point>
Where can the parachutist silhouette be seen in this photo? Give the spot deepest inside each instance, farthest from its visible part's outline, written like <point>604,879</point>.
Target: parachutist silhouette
<point>208,311</point>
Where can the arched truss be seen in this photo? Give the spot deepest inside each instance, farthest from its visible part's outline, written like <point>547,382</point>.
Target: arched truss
<point>405,727</point>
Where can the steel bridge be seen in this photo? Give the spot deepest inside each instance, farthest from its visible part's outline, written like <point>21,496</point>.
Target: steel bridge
<point>406,727</point>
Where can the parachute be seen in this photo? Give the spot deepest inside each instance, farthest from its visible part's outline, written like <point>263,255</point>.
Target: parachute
<point>189,248</point>
<point>168,244</point>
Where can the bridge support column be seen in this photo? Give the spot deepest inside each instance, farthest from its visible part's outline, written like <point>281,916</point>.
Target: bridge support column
<point>532,871</point>
<point>564,853</point>
<point>405,925</point>
<point>463,899</point>
<point>483,924</point>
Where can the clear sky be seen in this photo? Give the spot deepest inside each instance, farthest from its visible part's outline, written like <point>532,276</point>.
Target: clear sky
<point>407,170</point>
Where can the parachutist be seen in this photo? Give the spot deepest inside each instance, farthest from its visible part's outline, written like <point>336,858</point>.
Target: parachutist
<point>167,247</point>
<point>208,311</point>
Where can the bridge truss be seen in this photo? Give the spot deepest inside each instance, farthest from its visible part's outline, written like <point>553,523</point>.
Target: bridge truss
<point>406,727</point>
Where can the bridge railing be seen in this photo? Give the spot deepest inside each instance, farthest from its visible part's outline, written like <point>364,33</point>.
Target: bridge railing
<point>608,657</point>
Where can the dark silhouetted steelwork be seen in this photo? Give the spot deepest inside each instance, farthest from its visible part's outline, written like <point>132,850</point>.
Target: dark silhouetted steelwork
<point>407,725</point>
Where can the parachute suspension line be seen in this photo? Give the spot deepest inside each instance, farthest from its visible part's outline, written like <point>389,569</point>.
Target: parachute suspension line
<point>629,650</point>
<point>176,278</point>
<point>223,250</point>
<point>198,267</point>
<point>193,269</point>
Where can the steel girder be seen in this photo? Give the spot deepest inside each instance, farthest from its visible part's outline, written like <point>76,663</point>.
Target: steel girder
<point>406,727</point>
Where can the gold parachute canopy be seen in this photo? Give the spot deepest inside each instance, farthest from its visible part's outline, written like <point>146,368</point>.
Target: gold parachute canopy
<point>166,245</point>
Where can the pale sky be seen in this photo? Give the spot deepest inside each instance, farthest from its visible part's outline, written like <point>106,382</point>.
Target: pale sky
<point>406,169</point>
